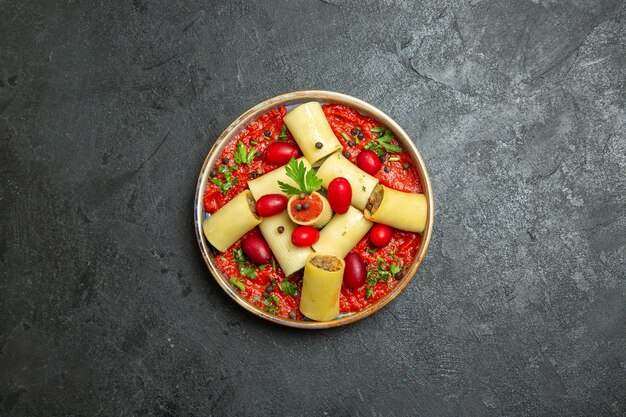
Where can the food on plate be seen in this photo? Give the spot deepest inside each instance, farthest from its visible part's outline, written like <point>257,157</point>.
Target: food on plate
<point>271,204</point>
<point>404,211</point>
<point>361,182</point>
<point>369,162</point>
<point>309,127</point>
<point>310,210</point>
<point>280,153</point>
<point>304,236</point>
<point>342,233</point>
<point>289,199</point>
<point>269,183</point>
<point>257,250</point>
<point>231,221</point>
<point>355,273</point>
<point>321,285</point>
<point>339,195</point>
<point>380,235</point>
<point>277,232</point>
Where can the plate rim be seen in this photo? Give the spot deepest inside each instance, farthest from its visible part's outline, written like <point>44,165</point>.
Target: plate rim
<point>239,124</point>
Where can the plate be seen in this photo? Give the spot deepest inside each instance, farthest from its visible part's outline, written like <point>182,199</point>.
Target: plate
<point>290,100</point>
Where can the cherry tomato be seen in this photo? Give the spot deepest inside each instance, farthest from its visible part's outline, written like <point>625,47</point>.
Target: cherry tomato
<point>305,236</point>
<point>280,153</point>
<point>354,274</point>
<point>271,204</point>
<point>380,235</point>
<point>339,195</point>
<point>257,250</point>
<point>368,161</point>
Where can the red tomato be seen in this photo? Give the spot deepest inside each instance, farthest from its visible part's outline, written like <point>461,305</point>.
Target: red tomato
<point>354,274</point>
<point>271,204</point>
<point>257,250</point>
<point>339,195</point>
<point>305,236</point>
<point>368,161</point>
<point>280,153</point>
<point>380,235</point>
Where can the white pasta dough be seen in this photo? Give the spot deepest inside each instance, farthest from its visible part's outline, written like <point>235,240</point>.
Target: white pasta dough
<point>290,257</point>
<point>361,182</point>
<point>230,222</point>
<point>404,211</point>
<point>268,183</point>
<point>309,127</point>
<point>342,233</point>
<point>321,284</point>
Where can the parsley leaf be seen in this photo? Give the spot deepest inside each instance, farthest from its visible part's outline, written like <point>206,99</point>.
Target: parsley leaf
<point>394,269</point>
<point>377,129</point>
<point>237,283</point>
<point>368,292</point>
<point>271,303</point>
<point>283,134</point>
<point>305,179</point>
<point>383,145</point>
<point>244,268</point>
<point>225,186</point>
<point>247,271</point>
<point>289,288</point>
<point>242,155</point>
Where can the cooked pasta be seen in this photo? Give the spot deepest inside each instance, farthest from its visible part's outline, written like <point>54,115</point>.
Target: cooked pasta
<point>268,183</point>
<point>342,233</point>
<point>232,221</point>
<point>404,211</point>
<point>290,258</point>
<point>361,182</point>
<point>321,284</point>
<point>318,221</point>
<point>309,127</point>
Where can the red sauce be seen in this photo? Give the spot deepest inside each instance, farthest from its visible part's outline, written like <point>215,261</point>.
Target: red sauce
<point>306,215</point>
<point>400,252</point>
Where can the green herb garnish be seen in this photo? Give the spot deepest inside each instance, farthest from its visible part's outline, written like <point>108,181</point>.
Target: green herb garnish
<point>283,134</point>
<point>237,283</point>
<point>274,264</point>
<point>394,269</point>
<point>345,136</point>
<point>271,303</point>
<point>383,145</point>
<point>305,179</point>
<point>244,267</point>
<point>253,142</point>
<point>289,288</point>
<point>242,155</point>
<point>377,129</point>
<point>225,185</point>
<point>368,292</point>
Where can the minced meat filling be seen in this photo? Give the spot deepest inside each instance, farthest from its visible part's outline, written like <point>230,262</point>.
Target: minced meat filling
<point>252,204</point>
<point>375,199</point>
<point>326,262</point>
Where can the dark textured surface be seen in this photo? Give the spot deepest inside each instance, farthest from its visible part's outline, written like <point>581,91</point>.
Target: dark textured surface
<point>107,111</point>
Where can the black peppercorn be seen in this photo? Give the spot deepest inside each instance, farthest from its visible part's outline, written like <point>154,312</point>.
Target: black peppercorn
<point>346,154</point>
<point>305,205</point>
<point>280,229</point>
<point>319,145</point>
<point>387,168</point>
<point>298,207</point>
<point>214,173</point>
<point>406,165</point>
<point>225,160</point>
<point>360,135</point>
<point>355,131</point>
<point>257,154</point>
<point>398,275</point>
<point>268,133</point>
<point>351,143</point>
<point>253,174</point>
<point>382,159</point>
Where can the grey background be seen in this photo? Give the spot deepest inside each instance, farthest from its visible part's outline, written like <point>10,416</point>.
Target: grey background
<point>107,110</point>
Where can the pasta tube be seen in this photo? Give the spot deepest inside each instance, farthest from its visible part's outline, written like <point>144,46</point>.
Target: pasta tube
<point>323,275</point>
<point>312,210</point>
<point>232,221</point>
<point>342,233</point>
<point>404,211</point>
<point>268,183</point>
<point>361,182</point>
<point>309,127</point>
<point>290,258</point>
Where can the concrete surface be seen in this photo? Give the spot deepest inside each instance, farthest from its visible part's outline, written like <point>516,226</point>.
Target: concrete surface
<point>107,110</point>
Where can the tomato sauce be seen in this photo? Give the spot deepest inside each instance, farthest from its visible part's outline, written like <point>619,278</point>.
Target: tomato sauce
<point>315,206</point>
<point>268,279</point>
